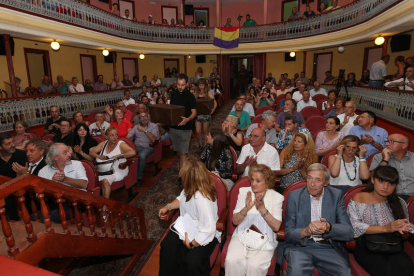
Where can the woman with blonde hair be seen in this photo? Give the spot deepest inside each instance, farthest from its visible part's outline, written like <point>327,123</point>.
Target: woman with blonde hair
<point>78,119</point>
<point>21,137</point>
<point>233,134</point>
<point>295,159</point>
<point>261,206</point>
<point>202,122</point>
<point>198,199</point>
<point>199,73</point>
<point>347,169</point>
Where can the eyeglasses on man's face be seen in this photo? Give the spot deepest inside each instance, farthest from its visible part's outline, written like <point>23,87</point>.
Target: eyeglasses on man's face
<point>255,136</point>
<point>394,141</point>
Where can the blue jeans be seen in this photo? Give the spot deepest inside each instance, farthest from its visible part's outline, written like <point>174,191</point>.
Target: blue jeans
<point>165,136</point>
<point>143,154</point>
<point>375,83</point>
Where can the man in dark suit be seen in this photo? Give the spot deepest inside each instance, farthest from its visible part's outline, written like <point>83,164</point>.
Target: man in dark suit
<point>35,152</point>
<point>316,223</point>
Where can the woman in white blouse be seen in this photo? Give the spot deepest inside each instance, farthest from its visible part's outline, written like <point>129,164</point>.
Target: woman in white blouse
<point>199,200</point>
<point>261,206</point>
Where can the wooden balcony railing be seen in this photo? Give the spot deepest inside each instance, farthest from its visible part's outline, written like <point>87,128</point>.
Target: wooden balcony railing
<point>81,14</point>
<point>85,215</point>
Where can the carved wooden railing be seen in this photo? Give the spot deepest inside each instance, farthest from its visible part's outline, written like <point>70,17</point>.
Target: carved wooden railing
<point>81,14</point>
<point>124,221</point>
<point>35,110</point>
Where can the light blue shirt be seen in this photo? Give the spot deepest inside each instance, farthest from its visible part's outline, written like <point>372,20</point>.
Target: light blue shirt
<point>379,135</point>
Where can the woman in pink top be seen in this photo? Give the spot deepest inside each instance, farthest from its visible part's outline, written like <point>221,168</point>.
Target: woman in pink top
<point>329,139</point>
<point>21,137</point>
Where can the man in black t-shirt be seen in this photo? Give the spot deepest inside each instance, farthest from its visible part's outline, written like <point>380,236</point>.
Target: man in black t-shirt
<point>181,135</point>
<point>53,122</point>
<point>8,156</point>
<point>65,136</point>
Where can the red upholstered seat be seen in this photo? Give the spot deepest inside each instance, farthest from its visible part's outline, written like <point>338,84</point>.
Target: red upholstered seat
<point>166,142</point>
<point>326,157</point>
<point>314,135</point>
<point>319,105</point>
<point>234,193</point>
<point>371,157</point>
<point>131,107</point>
<point>91,116</point>
<point>233,152</point>
<point>93,180</point>
<point>262,109</point>
<point>257,119</point>
<point>98,139</point>
<point>278,100</point>
<point>48,137</point>
<point>34,135</point>
<point>310,111</point>
<point>316,123</point>
<point>319,97</point>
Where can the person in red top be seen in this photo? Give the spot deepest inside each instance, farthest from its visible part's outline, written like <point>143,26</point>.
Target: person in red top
<point>128,115</point>
<point>122,125</point>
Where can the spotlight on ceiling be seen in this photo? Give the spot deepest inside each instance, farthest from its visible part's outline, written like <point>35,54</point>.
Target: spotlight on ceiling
<point>105,52</point>
<point>141,56</point>
<point>292,54</point>
<point>55,45</point>
<point>379,40</point>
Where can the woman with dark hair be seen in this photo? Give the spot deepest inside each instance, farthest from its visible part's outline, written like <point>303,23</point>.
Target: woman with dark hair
<point>218,157</point>
<point>295,159</point>
<point>351,79</point>
<point>21,137</point>
<point>198,199</point>
<point>154,97</point>
<point>251,95</point>
<point>322,8</point>
<point>339,108</point>
<point>78,119</point>
<point>202,121</point>
<point>347,170</point>
<point>83,142</point>
<point>378,213</point>
<point>332,95</point>
<point>108,112</point>
<point>288,97</point>
<point>329,139</point>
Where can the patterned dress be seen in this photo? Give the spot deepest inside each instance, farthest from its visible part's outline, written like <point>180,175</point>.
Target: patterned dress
<point>291,177</point>
<point>224,165</point>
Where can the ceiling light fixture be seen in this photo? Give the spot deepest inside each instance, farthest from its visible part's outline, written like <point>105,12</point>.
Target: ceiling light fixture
<point>55,45</point>
<point>379,40</point>
<point>105,52</point>
<point>292,54</point>
<point>141,56</point>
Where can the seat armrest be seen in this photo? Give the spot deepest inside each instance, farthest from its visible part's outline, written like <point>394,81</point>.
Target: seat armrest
<point>169,215</point>
<point>281,233</point>
<point>222,220</point>
<point>153,144</point>
<point>96,191</point>
<point>277,181</point>
<point>350,245</point>
<point>123,166</point>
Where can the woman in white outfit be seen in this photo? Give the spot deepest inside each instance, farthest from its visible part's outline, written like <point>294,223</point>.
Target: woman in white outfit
<point>112,149</point>
<point>261,206</point>
<point>198,199</point>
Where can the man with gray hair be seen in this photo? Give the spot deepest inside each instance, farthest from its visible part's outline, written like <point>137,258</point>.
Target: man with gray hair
<point>46,87</point>
<point>76,87</point>
<point>62,169</point>
<point>317,89</point>
<point>268,124</point>
<point>316,225</point>
<point>61,86</point>
<point>347,118</point>
<point>35,152</point>
<point>291,128</point>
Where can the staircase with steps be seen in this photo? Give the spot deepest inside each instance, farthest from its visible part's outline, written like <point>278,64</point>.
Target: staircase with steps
<point>83,233</point>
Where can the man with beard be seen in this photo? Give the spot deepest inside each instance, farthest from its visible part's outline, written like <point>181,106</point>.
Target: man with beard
<point>142,135</point>
<point>181,135</point>
<point>62,169</point>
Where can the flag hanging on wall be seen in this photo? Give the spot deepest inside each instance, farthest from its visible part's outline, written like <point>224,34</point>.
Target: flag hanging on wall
<point>226,37</point>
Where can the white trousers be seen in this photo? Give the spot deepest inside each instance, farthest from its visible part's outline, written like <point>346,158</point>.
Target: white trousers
<point>238,265</point>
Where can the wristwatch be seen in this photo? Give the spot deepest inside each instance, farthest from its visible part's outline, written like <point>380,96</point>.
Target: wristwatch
<point>328,230</point>
<point>146,131</point>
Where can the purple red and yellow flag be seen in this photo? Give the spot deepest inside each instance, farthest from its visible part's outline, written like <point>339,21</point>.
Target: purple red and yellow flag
<point>226,37</point>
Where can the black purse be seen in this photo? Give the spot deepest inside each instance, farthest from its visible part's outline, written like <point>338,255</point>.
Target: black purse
<point>384,243</point>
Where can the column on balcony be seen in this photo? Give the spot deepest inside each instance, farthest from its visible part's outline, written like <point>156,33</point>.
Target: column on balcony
<point>218,14</point>
<point>114,62</point>
<point>265,12</point>
<point>385,45</point>
<point>10,67</point>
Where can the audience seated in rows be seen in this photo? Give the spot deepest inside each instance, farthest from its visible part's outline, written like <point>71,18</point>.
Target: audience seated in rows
<point>264,99</point>
<point>288,97</point>
<point>100,126</point>
<point>65,136</point>
<point>306,101</point>
<point>347,119</point>
<point>347,169</point>
<point>218,157</point>
<point>53,122</point>
<point>82,143</point>
<point>246,106</point>
<point>339,108</point>
<point>317,89</point>
<point>142,135</point>
<point>268,124</point>
<point>78,119</point>
<point>75,86</point>
<point>257,152</point>
<point>332,96</point>
<point>122,125</point>
<point>295,159</point>
<point>234,135</point>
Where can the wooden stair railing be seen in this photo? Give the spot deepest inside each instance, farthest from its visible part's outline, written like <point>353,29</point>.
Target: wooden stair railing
<point>83,233</point>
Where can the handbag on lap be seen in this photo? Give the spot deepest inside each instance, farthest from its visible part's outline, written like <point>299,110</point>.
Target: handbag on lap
<point>104,167</point>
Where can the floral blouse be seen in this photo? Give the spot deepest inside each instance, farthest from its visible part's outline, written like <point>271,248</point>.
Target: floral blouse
<point>322,142</point>
<point>224,164</point>
<point>19,141</point>
<point>363,215</point>
<point>287,179</point>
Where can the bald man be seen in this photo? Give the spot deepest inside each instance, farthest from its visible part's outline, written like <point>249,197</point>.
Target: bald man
<point>244,118</point>
<point>396,154</point>
<point>257,152</point>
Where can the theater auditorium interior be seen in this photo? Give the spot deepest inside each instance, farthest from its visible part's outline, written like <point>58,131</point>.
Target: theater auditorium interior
<point>206,137</point>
